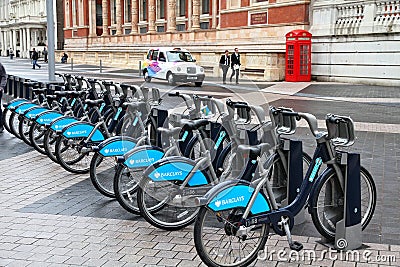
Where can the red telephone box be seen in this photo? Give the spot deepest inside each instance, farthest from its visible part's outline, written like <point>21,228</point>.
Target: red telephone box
<point>298,56</point>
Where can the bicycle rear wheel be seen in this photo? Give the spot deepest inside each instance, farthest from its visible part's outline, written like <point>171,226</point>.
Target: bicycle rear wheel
<point>5,119</point>
<point>218,242</point>
<point>14,124</point>
<point>23,130</point>
<point>49,143</point>
<point>160,205</point>
<point>328,200</point>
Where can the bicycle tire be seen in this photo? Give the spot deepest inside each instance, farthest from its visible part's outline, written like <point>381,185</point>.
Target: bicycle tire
<point>23,130</point>
<point>158,211</point>
<point>49,143</point>
<point>209,230</point>
<point>5,119</point>
<point>79,162</point>
<point>102,177</point>
<point>14,124</point>
<point>125,189</point>
<point>325,218</point>
<point>36,137</point>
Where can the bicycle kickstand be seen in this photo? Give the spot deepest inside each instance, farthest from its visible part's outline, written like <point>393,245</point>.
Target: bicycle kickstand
<point>294,245</point>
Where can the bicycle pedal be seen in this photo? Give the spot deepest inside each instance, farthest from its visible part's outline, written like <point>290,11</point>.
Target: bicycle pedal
<point>297,246</point>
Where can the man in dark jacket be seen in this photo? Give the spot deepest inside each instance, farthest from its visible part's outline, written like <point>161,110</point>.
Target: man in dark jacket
<point>235,65</point>
<point>3,83</point>
<point>224,63</point>
<point>35,57</point>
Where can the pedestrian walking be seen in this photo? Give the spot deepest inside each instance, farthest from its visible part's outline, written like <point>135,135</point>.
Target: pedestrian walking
<point>224,64</point>
<point>235,65</point>
<point>35,57</point>
<point>45,54</point>
<point>11,52</point>
<point>64,58</point>
<point>3,83</point>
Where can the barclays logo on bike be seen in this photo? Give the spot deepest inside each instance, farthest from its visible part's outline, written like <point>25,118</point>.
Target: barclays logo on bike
<point>77,132</point>
<point>233,200</point>
<point>144,160</point>
<point>115,150</point>
<point>158,175</point>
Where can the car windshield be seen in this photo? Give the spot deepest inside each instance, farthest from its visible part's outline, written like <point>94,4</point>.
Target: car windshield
<point>177,56</point>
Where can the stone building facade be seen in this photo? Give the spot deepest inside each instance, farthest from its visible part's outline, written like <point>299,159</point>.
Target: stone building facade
<point>23,26</point>
<point>356,41</point>
<point>119,32</point>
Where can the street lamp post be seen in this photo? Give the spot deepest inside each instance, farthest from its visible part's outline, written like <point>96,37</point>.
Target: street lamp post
<point>50,40</point>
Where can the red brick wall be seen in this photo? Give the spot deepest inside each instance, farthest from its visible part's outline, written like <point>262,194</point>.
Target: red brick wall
<point>288,14</point>
<point>235,19</point>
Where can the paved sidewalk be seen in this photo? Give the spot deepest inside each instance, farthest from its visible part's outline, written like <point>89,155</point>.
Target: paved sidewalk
<point>49,217</point>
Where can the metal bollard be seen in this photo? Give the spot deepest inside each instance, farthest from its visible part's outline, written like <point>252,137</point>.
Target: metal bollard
<point>72,64</point>
<point>101,66</point>
<point>10,81</point>
<point>16,86</point>
<point>140,68</point>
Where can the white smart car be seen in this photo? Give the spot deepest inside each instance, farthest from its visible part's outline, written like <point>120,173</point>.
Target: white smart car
<point>173,65</point>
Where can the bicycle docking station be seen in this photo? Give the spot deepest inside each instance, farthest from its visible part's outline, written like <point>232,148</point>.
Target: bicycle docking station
<point>348,234</point>
<point>294,149</point>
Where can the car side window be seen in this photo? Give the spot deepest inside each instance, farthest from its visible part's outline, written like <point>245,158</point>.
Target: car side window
<point>161,57</point>
<point>155,55</point>
<point>149,54</point>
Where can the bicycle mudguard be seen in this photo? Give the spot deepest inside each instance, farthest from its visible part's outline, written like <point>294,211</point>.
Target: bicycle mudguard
<point>116,146</point>
<point>34,111</point>
<point>21,108</point>
<point>47,117</point>
<point>143,156</point>
<point>60,123</point>
<point>12,104</point>
<point>176,169</point>
<point>82,129</point>
<point>234,194</point>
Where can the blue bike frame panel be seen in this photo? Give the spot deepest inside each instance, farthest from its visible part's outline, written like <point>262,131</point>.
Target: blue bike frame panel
<point>239,196</point>
<point>116,146</point>
<point>61,123</point>
<point>47,117</point>
<point>24,107</point>
<point>82,130</point>
<point>15,103</point>
<point>32,113</point>
<point>143,156</point>
<point>176,169</point>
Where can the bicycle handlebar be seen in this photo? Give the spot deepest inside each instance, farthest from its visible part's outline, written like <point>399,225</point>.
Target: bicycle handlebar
<point>218,103</point>
<point>188,100</point>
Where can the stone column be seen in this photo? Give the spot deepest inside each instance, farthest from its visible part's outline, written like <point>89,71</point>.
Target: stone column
<point>196,15</point>
<point>92,18</point>
<point>152,16</point>
<point>35,33</point>
<point>171,23</point>
<point>28,40</point>
<point>22,39</point>
<point>118,15</point>
<point>214,14</point>
<point>189,15</point>
<point>14,38</point>
<point>3,42</point>
<point>135,16</point>
<point>105,17</point>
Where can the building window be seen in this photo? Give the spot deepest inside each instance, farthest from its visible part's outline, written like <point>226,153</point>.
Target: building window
<point>113,12</point>
<point>205,25</point>
<point>181,8</point>
<point>259,2</point>
<point>161,28</point>
<point>143,29</point>
<point>74,12</point>
<point>99,15</point>
<point>128,10</point>
<point>143,8</point>
<point>113,32</point>
<point>181,27</point>
<point>205,6</point>
<point>161,9</point>
<point>128,31</point>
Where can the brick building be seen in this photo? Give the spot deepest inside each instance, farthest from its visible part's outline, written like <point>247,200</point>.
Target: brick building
<point>119,32</point>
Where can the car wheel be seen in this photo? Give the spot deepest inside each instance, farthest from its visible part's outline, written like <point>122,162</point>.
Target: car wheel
<point>170,78</point>
<point>198,84</point>
<point>147,78</point>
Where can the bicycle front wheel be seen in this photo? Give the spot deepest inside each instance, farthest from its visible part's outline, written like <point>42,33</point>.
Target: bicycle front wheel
<point>49,144</point>
<point>36,137</point>
<point>328,201</point>
<point>102,171</point>
<point>69,156</point>
<point>126,184</point>
<point>23,130</point>
<point>219,243</point>
<point>161,205</point>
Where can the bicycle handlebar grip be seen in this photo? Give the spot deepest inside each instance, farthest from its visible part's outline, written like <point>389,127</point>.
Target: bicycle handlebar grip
<point>334,118</point>
<point>174,94</point>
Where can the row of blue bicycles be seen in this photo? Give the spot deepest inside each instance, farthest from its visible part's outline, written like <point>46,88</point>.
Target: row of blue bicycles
<point>179,159</point>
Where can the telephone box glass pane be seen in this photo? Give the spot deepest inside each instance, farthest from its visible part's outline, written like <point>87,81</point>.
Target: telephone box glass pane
<point>290,60</point>
<point>304,59</point>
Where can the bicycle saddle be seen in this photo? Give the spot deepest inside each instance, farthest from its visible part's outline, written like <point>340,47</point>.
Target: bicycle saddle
<point>253,151</point>
<point>193,124</point>
<point>62,93</point>
<point>169,132</point>
<point>97,102</point>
